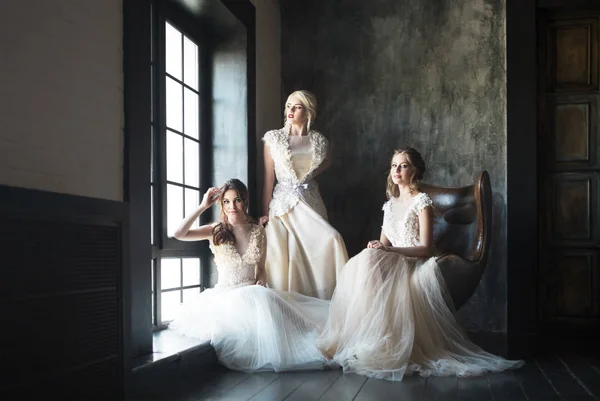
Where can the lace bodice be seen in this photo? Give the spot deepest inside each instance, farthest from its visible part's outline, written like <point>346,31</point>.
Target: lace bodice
<point>290,188</point>
<point>234,268</point>
<point>401,222</point>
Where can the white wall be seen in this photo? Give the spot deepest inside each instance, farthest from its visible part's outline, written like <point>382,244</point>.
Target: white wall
<point>61,107</point>
<point>269,106</point>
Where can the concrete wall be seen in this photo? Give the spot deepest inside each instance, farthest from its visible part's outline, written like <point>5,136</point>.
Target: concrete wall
<point>390,73</point>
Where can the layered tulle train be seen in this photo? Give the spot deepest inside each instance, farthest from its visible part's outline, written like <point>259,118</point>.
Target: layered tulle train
<point>390,316</point>
<point>253,328</point>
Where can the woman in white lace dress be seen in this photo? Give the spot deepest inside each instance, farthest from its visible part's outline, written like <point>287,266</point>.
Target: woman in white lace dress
<point>390,314</point>
<point>251,327</point>
<point>305,253</point>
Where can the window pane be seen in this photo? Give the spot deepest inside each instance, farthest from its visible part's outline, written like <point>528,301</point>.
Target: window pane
<point>152,214</point>
<point>174,99</point>
<point>170,273</point>
<point>190,59</point>
<point>174,157</point>
<point>174,207</point>
<point>151,92</point>
<point>152,289</point>
<point>191,272</point>
<point>170,302</point>
<point>173,53</point>
<point>191,113</point>
<point>192,201</point>
<point>192,163</point>
<point>152,153</point>
<point>190,294</point>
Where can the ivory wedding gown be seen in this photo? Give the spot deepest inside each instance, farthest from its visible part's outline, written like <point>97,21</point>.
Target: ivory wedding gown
<point>305,253</point>
<point>253,328</point>
<point>390,314</point>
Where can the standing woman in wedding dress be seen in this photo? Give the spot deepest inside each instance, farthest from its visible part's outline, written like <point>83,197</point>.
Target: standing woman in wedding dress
<point>390,314</point>
<point>251,327</point>
<point>305,253</point>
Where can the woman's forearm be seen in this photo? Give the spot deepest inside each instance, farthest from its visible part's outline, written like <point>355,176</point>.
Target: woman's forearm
<point>188,221</point>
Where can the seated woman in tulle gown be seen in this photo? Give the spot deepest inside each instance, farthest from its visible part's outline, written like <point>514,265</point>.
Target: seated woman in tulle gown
<point>250,326</point>
<point>390,314</point>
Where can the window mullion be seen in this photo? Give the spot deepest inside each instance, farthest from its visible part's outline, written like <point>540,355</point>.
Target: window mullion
<point>183,131</point>
<point>162,135</point>
<point>157,293</point>
<point>180,280</point>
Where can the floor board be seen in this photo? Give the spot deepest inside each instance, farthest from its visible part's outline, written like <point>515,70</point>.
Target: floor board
<point>561,377</point>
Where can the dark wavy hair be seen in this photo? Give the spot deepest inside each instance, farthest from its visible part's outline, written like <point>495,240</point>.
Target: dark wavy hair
<point>223,232</point>
<point>415,159</point>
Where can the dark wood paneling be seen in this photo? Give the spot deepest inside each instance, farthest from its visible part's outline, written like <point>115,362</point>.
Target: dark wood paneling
<point>571,209</point>
<point>572,54</point>
<point>569,171</point>
<point>75,384</point>
<point>571,132</point>
<point>61,290</point>
<point>57,257</point>
<point>575,285</point>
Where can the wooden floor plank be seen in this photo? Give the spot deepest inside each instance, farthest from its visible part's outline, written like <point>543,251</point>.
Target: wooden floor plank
<point>561,379</point>
<point>535,384</point>
<point>217,383</point>
<point>411,388</point>
<point>345,388</point>
<point>594,360</point>
<point>506,386</point>
<point>441,389</point>
<point>567,377</point>
<point>583,372</point>
<point>315,386</point>
<point>474,389</point>
<point>248,388</point>
<point>286,385</point>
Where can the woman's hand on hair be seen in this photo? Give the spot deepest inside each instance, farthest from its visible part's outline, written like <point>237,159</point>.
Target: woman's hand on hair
<point>376,244</point>
<point>210,196</point>
<point>263,220</point>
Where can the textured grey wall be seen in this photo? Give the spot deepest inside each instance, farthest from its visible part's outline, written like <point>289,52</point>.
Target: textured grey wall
<point>389,73</point>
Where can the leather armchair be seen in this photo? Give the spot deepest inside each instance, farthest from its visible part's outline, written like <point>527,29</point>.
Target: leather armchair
<point>462,234</point>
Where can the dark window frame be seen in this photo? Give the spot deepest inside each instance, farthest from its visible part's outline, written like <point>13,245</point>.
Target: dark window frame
<point>137,44</point>
<point>165,246</point>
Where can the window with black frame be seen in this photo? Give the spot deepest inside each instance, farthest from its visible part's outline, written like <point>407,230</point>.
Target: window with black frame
<point>177,149</point>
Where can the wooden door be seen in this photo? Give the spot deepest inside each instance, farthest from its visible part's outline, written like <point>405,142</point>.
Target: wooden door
<point>569,172</point>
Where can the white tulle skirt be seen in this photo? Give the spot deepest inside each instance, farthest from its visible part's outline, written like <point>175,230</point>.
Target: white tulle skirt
<point>389,316</point>
<point>304,252</point>
<point>254,328</point>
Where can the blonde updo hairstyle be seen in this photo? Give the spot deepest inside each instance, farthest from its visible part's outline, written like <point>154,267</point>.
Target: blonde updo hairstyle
<point>309,101</point>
